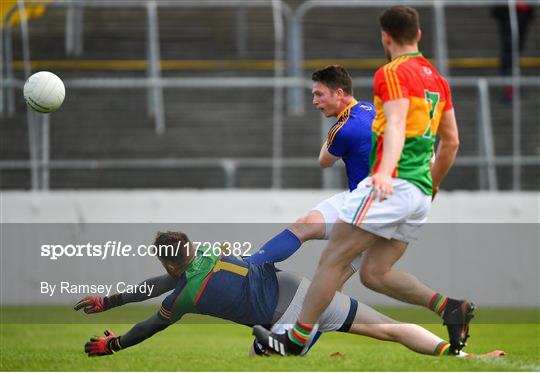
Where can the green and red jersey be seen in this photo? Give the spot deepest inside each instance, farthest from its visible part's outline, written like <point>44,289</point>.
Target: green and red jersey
<point>226,287</point>
<point>411,76</point>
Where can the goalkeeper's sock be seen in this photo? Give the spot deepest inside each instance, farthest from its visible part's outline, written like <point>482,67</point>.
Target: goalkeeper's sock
<point>442,349</point>
<point>277,249</point>
<point>299,333</point>
<point>438,303</point>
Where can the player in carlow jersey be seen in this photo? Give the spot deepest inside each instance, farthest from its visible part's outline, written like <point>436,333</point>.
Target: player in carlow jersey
<point>349,139</point>
<point>216,283</point>
<point>385,212</point>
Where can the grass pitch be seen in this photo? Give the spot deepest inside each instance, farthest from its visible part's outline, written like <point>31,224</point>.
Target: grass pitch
<point>212,346</point>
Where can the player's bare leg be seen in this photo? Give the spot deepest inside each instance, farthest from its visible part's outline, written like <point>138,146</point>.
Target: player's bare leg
<point>373,324</point>
<point>287,242</point>
<point>309,227</point>
<point>346,243</point>
<point>377,274</point>
<point>313,227</point>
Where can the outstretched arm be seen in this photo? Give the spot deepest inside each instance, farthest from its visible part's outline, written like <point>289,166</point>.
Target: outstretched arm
<point>111,343</point>
<point>169,313</point>
<point>93,304</point>
<point>162,284</point>
<point>143,330</point>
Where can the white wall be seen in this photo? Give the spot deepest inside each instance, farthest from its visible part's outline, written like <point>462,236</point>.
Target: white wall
<point>239,206</point>
<point>482,246</point>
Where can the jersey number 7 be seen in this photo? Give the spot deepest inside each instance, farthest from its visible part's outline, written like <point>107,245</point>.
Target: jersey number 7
<point>433,100</point>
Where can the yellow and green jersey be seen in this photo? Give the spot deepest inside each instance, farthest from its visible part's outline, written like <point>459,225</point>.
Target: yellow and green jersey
<point>226,287</point>
<point>411,76</point>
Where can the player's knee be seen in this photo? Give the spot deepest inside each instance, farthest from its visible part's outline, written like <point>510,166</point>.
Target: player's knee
<point>386,332</point>
<point>375,330</point>
<point>371,279</point>
<point>302,220</point>
<point>308,227</point>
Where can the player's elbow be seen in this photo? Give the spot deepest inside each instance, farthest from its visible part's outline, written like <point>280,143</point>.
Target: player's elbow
<point>323,163</point>
<point>453,144</point>
<point>450,143</point>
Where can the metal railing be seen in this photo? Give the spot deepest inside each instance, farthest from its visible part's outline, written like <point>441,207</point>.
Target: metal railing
<point>486,161</point>
<point>74,37</point>
<point>155,103</point>
<point>296,95</point>
<point>38,125</point>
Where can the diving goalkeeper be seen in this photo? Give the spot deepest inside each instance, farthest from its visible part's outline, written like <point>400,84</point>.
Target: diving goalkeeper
<point>232,289</point>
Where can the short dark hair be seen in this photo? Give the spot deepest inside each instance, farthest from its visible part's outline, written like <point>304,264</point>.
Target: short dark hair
<point>334,77</point>
<point>172,247</point>
<point>401,23</point>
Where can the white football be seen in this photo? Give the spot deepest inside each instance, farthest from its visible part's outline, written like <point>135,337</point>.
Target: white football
<point>44,92</point>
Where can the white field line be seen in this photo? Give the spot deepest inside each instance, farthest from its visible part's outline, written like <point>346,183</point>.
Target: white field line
<point>501,361</point>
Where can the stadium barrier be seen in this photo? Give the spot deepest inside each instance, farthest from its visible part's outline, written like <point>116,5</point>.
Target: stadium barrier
<point>477,231</point>
<point>38,126</point>
<point>486,162</point>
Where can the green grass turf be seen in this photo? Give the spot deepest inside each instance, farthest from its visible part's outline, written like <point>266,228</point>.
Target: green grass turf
<point>208,346</point>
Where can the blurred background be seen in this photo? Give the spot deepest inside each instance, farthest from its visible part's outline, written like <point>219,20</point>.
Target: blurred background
<point>200,111</point>
<point>216,94</point>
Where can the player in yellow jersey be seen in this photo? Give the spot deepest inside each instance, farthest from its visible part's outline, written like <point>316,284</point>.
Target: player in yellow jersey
<point>385,212</point>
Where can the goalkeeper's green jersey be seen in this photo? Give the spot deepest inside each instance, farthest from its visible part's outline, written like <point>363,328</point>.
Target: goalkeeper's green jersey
<point>226,287</point>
